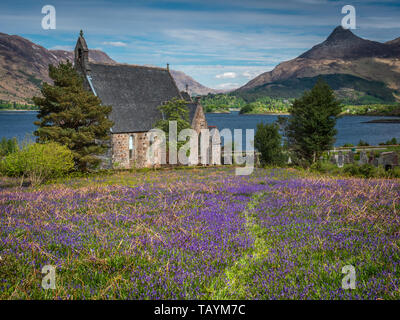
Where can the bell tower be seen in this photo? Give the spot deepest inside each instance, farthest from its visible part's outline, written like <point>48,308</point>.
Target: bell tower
<point>81,59</point>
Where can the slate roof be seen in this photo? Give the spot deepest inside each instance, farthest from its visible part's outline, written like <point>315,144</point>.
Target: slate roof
<point>134,92</point>
<point>186,96</point>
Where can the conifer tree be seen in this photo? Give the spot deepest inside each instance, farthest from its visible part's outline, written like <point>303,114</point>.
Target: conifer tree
<point>311,128</point>
<point>174,110</point>
<point>72,116</point>
<point>268,142</point>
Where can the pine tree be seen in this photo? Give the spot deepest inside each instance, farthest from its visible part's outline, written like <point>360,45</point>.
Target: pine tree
<point>72,116</point>
<point>268,142</point>
<point>311,128</point>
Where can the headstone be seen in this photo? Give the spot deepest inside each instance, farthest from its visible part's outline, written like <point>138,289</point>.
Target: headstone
<point>289,161</point>
<point>340,160</point>
<point>349,158</point>
<point>363,158</point>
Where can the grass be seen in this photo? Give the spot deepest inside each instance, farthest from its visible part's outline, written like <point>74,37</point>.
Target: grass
<point>201,234</point>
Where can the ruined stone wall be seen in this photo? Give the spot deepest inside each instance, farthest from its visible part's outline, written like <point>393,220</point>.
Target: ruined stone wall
<point>199,120</point>
<point>139,159</point>
<point>120,149</point>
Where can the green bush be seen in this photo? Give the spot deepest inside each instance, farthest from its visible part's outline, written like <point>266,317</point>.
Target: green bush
<point>354,170</point>
<point>247,108</point>
<point>393,141</point>
<point>365,171</point>
<point>8,146</point>
<point>348,145</point>
<point>38,162</point>
<point>395,173</point>
<point>363,143</point>
<point>325,167</point>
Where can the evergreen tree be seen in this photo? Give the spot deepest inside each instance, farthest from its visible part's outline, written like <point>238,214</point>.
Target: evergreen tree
<point>268,141</point>
<point>174,110</point>
<point>72,116</point>
<point>311,128</point>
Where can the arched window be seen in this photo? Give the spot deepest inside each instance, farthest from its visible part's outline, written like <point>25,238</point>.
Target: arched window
<point>79,54</point>
<point>131,146</point>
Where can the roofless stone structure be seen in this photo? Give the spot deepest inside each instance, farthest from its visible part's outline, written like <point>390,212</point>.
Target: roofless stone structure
<point>135,93</point>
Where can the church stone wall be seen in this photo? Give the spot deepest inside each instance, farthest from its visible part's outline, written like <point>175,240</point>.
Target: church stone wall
<point>120,146</point>
<point>141,144</point>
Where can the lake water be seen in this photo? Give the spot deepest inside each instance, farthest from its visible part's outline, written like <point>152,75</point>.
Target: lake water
<point>350,128</point>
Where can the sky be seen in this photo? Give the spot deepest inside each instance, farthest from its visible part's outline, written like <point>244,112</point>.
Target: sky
<point>222,44</point>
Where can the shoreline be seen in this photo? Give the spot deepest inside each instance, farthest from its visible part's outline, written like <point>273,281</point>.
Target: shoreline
<point>266,113</point>
<point>19,110</point>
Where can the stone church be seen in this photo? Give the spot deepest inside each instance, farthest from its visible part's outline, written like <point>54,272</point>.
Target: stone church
<point>135,93</point>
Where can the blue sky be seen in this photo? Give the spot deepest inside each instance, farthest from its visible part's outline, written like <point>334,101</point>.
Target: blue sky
<point>222,44</point>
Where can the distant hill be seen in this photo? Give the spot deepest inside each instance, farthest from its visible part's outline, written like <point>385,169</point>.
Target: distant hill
<point>359,70</point>
<point>94,55</point>
<point>194,87</point>
<point>24,65</point>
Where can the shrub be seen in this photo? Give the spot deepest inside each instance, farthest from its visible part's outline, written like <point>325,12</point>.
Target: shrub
<point>365,171</point>
<point>393,141</point>
<point>247,108</point>
<point>395,172</point>
<point>348,145</point>
<point>325,167</point>
<point>8,146</point>
<point>363,143</point>
<point>38,162</point>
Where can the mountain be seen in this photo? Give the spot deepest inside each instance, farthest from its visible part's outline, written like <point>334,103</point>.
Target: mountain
<point>24,66</point>
<point>194,88</point>
<point>374,67</point>
<point>94,55</point>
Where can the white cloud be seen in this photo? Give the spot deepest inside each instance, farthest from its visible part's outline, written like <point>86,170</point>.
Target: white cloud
<point>226,75</point>
<point>64,48</point>
<point>227,86</point>
<point>251,74</point>
<point>205,74</point>
<point>114,43</point>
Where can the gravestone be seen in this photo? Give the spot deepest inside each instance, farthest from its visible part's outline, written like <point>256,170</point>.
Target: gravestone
<point>363,158</point>
<point>349,158</point>
<point>340,160</point>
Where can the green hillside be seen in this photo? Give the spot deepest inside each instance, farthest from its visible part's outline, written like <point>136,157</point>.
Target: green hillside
<point>350,89</point>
